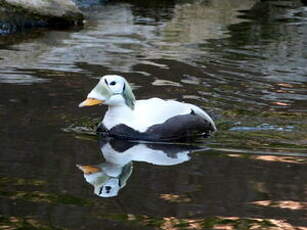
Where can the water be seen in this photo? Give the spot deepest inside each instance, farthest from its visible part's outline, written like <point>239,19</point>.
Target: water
<point>245,62</point>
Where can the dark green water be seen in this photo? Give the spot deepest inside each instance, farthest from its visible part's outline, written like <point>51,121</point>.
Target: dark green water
<point>244,62</point>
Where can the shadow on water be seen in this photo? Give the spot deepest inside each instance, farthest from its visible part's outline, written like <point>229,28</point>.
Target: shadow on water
<point>243,61</point>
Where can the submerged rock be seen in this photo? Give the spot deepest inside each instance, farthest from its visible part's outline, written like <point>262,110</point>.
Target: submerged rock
<point>16,15</point>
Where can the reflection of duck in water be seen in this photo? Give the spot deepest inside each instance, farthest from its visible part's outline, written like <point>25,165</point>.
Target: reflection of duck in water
<point>110,176</point>
<point>153,119</point>
<point>107,178</point>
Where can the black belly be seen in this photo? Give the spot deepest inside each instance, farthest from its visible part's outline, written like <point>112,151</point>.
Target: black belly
<point>176,128</point>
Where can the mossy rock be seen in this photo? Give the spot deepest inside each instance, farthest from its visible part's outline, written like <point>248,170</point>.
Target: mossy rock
<point>17,15</point>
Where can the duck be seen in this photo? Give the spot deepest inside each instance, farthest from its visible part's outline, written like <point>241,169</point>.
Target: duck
<point>153,119</point>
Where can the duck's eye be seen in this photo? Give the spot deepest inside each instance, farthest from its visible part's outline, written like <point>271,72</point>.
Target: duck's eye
<point>112,83</point>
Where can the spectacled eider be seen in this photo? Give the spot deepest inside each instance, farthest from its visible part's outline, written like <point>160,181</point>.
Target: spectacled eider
<point>153,119</point>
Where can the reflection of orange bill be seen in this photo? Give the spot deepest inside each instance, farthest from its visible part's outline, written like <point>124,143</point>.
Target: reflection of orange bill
<point>280,103</point>
<point>90,102</point>
<point>88,169</point>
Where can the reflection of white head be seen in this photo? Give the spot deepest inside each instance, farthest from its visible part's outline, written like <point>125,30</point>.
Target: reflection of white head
<point>107,178</point>
<point>109,189</point>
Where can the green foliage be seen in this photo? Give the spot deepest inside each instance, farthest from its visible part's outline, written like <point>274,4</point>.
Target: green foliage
<point>32,190</point>
<point>24,223</point>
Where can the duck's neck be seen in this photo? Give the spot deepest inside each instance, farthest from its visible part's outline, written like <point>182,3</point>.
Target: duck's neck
<point>117,114</point>
<point>120,110</point>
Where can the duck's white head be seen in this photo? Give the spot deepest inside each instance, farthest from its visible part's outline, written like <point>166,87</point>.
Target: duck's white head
<point>111,90</point>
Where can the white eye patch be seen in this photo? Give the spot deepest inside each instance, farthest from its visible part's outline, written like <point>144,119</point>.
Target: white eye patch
<point>115,84</point>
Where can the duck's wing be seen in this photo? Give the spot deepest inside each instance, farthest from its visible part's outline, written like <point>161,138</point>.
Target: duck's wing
<point>180,127</point>
<point>202,114</point>
<point>162,120</point>
<point>155,111</point>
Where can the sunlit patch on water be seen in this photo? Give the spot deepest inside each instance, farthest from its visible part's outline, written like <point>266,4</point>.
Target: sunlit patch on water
<point>11,77</point>
<point>160,82</point>
<point>264,126</point>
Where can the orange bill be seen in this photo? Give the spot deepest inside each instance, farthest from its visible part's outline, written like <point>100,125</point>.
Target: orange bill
<point>90,102</point>
<point>88,169</point>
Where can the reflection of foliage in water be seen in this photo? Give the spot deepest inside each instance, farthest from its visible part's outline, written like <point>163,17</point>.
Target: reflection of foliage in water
<point>84,126</point>
<point>13,223</point>
<point>21,191</point>
<point>286,131</point>
<point>231,223</point>
<point>20,181</point>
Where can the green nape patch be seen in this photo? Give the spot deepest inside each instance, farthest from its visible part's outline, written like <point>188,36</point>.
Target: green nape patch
<point>234,223</point>
<point>24,223</point>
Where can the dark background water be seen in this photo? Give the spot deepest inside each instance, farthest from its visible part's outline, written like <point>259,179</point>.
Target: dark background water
<point>243,61</point>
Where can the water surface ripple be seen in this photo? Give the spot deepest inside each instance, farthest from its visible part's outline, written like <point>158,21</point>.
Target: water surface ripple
<point>243,61</point>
